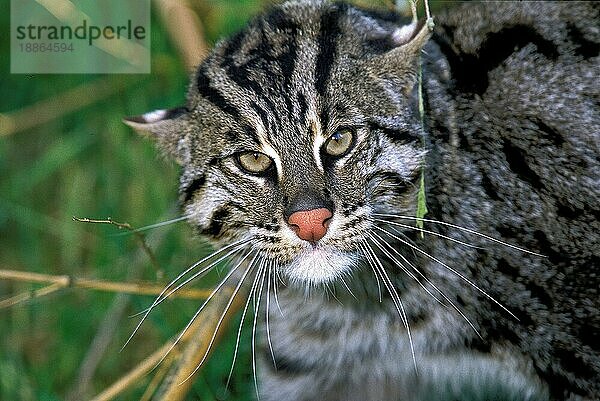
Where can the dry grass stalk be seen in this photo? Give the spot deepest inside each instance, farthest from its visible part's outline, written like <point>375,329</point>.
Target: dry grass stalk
<point>107,329</point>
<point>63,281</point>
<point>158,377</point>
<point>134,375</point>
<point>187,353</point>
<point>196,345</point>
<point>27,295</point>
<point>124,226</point>
<point>185,30</point>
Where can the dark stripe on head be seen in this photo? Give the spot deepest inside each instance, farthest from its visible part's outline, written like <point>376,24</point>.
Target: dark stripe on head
<point>233,45</point>
<point>189,191</point>
<point>239,75</point>
<point>324,116</point>
<point>251,132</point>
<point>328,37</point>
<point>217,221</point>
<point>287,60</point>
<point>398,181</point>
<point>232,136</point>
<point>399,135</point>
<point>303,107</point>
<point>237,72</point>
<point>264,116</point>
<point>212,95</point>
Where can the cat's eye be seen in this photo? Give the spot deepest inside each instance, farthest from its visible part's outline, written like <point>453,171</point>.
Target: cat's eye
<point>339,143</point>
<point>254,162</point>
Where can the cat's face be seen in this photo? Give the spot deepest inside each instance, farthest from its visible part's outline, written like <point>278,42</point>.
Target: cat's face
<point>296,131</point>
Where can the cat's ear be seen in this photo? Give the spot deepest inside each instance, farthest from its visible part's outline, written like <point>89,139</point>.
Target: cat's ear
<point>164,126</point>
<point>401,63</point>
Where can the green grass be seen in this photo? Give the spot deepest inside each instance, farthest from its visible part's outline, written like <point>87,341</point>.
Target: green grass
<point>89,164</point>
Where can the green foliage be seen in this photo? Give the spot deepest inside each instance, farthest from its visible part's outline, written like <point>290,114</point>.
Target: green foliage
<point>88,164</point>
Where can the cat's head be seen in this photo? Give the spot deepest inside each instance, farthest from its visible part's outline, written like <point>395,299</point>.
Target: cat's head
<point>296,131</point>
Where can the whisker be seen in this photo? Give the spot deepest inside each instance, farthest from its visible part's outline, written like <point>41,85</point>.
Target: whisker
<point>460,275</point>
<point>386,184</point>
<point>236,247</point>
<point>155,225</point>
<point>275,279</point>
<point>468,230</point>
<point>388,284</point>
<point>396,299</point>
<point>433,285</point>
<point>403,235</point>
<point>196,275</point>
<point>428,232</point>
<point>223,314</point>
<point>404,269</point>
<point>267,313</point>
<point>166,293</point>
<point>239,333</point>
<point>331,291</point>
<point>347,288</point>
<point>255,293</point>
<point>262,273</point>
<point>370,261</point>
<point>197,313</point>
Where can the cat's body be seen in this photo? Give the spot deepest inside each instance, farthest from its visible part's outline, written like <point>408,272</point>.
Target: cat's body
<point>511,121</point>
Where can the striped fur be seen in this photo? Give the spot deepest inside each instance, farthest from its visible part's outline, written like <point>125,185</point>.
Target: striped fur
<point>294,76</point>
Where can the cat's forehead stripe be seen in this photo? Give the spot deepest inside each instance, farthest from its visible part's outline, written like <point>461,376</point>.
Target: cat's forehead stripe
<point>327,41</point>
<point>205,89</point>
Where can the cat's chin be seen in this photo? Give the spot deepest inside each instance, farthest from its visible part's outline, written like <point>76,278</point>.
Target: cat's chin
<point>319,265</point>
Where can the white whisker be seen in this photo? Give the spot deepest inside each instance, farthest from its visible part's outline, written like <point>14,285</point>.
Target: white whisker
<point>276,278</point>
<point>453,271</point>
<point>239,333</point>
<point>262,273</point>
<point>236,247</point>
<point>370,261</point>
<point>196,275</point>
<point>432,284</point>
<point>197,313</point>
<point>404,269</point>
<point>428,232</point>
<point>223,314</point>
<point>347,288</point>
<point>395,298</point>
<point>267,312</point>
<point>155,225</point>
<point>468,230</point>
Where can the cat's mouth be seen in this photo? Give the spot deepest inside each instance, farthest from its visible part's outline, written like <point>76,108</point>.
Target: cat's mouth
<point>319,264</point>
<point>330,258</point>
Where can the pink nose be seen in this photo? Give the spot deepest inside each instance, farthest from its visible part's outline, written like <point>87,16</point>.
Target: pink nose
<point>310,225</point>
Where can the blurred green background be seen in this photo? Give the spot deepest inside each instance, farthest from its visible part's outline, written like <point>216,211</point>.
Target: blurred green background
<point>84,162</point>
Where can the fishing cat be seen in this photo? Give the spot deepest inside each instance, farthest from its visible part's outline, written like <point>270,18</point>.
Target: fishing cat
<point>303,153</point>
